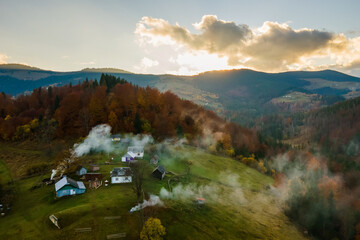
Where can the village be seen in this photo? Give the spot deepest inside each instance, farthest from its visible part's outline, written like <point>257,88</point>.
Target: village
<point>95,199</point>
<point>91,176</point>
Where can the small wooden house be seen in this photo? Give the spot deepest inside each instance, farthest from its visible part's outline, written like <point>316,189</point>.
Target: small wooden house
<point>67,186</point>
<point>94,167</point>
<point>94,179</point>
<point>159,172</point>
<point>200,201</point>
<point>121,175</point>
<point>81,171</point>
<point>93,176</point>
<point>154,160</point>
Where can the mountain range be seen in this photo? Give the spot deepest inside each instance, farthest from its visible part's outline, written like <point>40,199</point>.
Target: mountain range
<point>239,95</point>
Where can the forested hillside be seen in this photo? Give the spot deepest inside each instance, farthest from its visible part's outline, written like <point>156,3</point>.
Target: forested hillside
<point>337,130</point>
<point>73,110</point>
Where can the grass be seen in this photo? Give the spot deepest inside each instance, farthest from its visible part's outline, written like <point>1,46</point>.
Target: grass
<point>257,217</point>
<point>295,97</point>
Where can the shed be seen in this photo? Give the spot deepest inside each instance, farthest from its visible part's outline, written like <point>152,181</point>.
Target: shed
<point>67,186</point>
<point>159,172</point>
<point>94,167</point>
<point>115,138</point>
<point>93,176</point>
<point>154,160</point>
<point>121,175</point>
<point>81,171</point>
<point>94,179</point>
<point>200,201</point>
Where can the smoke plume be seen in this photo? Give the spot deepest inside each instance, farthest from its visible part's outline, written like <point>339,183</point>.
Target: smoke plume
<point>153,201</point>
<point>97,140</point>
<point>227,192</point>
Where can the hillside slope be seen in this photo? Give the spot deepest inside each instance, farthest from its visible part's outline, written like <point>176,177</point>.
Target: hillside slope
<point>244,210</point>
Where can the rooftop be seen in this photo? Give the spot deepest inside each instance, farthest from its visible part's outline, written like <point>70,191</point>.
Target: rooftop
<point>68,181</point>
<point>136,149</point>
<point>121,171</point>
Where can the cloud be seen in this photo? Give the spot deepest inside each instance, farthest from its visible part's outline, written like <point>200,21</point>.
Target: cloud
<point>271,47</point>
<point>148,63</point>
<point>3,58</point>
<point>87,63</point>
<point>145,64</point>
<point>191,62</point>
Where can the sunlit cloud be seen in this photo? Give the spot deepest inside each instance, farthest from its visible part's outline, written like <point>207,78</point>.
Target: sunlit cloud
<point>145,64</point>
<point>272,47</point>
<point>3,58</point>
<point>201,61</point>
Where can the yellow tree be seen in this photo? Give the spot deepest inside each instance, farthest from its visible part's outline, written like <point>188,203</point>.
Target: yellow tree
<point>113,121</point>
<point>152,230</point>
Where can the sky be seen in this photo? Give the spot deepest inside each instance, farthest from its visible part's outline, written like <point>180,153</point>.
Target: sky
<point>182,37</point>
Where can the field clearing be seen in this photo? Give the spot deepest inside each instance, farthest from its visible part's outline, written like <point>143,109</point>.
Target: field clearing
<point>295,97</point>
<point>244,209</point>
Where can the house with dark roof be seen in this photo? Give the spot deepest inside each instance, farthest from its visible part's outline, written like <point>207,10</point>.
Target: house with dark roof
<point>67,186</point>
<point>159,172</point>
<point>121,175</point>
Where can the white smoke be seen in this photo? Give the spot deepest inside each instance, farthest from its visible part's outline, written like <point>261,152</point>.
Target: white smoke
<point>141,140</point>
<point>53,173</point>
<point>191,192</point>
<point>97,140</point>
<point>228,192</point>
<point>153,201</point>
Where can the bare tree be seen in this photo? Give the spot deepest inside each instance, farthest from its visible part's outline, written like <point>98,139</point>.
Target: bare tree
<point>138,177</point>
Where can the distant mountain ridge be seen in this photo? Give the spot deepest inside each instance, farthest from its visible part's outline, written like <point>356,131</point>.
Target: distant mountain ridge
<point>105,70</point>
<point>237,94</point>
<point>18,66</point>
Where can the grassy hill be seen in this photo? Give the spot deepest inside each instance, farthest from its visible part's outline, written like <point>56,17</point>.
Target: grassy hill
<point>240,207</point>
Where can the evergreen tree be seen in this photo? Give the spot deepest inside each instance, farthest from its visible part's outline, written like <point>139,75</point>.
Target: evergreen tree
<point>50,92</point>
<point>137,123</point>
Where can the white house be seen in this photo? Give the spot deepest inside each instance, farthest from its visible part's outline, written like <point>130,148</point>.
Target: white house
<point>137,150</point>
<point>121,175</point>
<point>128,157</point>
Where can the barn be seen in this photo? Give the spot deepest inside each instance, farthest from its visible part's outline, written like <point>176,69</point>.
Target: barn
<point>67,186</point>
